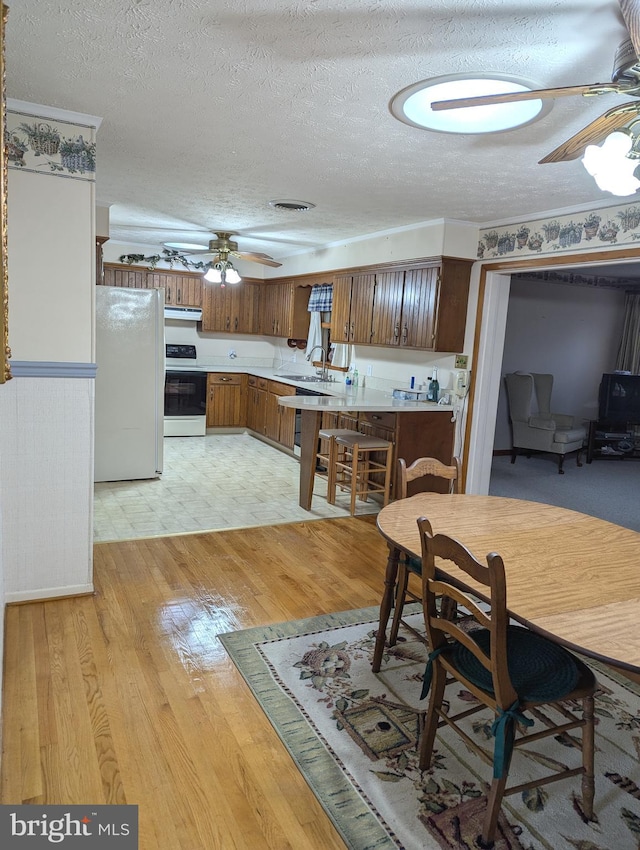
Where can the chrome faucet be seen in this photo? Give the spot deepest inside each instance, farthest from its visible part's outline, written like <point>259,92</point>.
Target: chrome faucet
<point>324,373</point>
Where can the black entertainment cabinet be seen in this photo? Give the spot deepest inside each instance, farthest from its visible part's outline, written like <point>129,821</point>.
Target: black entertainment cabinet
<point>613,441</point>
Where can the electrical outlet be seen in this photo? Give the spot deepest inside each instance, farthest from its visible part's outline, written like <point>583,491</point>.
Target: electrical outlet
<point>462,361</point>
<point>369,371</point>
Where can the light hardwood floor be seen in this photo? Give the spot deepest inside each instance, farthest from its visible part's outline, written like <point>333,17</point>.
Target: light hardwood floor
<point>128,696</point>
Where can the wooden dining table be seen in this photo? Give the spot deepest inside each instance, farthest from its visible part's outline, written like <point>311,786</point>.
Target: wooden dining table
<point>571,577</point>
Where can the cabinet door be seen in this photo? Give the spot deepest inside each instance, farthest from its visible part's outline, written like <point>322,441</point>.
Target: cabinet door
<point>256,408</point>
<point>419,302</point>
<point>189,290</point>
<point>278,427</point>
<point>341,308</point>
<point>225,400</point>
<point>159,280</point>
<point>125,277</point>
<point>221,309</point>
<point>249,308</point>
<point>387,308</point>
<point>452,302</point>
<point>268,309</point>
<point>272,417</point>
<point>286,415</point>
<point>361,312</point>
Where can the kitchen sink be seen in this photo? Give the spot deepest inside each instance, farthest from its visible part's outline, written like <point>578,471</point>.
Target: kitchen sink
<point>308,379</point>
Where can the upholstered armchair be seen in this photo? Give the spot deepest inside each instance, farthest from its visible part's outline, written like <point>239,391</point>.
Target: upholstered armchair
<point>542,431</point>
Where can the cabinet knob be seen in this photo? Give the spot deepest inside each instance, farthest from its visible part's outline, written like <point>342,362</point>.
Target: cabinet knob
<point>225,379</point>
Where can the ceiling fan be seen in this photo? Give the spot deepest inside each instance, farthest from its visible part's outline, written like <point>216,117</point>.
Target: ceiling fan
<point>222,247</point>
<point>625,80</point>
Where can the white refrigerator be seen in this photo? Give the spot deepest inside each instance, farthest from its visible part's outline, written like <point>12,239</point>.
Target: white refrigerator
<point>129,387</point>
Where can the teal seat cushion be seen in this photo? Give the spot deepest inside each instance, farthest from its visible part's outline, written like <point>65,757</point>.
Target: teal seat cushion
<point>414,565</point>
<point>540,670</point>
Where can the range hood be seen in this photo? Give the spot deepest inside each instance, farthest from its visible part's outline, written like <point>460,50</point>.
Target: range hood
<point>183,314</point>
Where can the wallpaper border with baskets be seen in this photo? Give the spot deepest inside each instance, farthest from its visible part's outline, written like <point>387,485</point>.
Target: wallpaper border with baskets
<point>600,228</point>
<point>48,146</point>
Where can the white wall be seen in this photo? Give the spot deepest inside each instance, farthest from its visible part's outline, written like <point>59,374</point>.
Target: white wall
<point>51,265</point>
<point>46,409</point>
<point>432,239</point>
<point>572,332</point>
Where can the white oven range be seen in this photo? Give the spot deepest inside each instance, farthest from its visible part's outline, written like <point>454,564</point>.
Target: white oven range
<point>185,393</point>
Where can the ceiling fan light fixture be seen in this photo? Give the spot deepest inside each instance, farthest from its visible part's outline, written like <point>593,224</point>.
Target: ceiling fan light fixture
<point>213,275</point>
<point>222,272</point>
<point>412,105</point>
<point>232,275</point>
<point>613,163</point>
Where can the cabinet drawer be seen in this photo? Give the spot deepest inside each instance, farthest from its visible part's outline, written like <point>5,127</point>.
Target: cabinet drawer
<point>281,389</point>
<point>224,378</point>
<point>260,383</point>
<point>380,420</point>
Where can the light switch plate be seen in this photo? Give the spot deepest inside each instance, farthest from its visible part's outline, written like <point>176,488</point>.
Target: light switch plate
<point>462,361</point>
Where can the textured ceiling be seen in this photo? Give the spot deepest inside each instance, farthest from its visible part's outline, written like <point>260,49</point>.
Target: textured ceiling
<point>210,109</point>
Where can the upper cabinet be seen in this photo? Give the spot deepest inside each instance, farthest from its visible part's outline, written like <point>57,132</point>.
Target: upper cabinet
<point>419,304</point>
<point>230,309</point>
<point>181,289</point>
<point>133,278</point>
<point>283,310</point>
<point>421,307</point>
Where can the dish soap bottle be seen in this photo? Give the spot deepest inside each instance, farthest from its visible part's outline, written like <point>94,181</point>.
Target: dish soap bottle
<point>434,387</point>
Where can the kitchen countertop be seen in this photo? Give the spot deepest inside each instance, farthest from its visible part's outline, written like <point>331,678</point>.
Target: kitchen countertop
<point>360,398</point>
<point>335,394</point>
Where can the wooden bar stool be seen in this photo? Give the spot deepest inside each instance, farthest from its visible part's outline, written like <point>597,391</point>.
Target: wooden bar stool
<point>328,458</point>
<point>355,470</point>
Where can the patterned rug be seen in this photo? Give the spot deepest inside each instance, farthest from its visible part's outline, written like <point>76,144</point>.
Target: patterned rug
<point>353,736</point>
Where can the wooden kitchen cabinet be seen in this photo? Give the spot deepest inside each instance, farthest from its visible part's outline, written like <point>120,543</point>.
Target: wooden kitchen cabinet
<point>230,309</point>
<point>423,307</point>
<point>283,310</point>
<point>413,434</point>
<point>279,421</point>
<point>180,289</point>
<point>352,311</point>
<point>256,403</point>
<point>130,278</point>
<point>226,400</point>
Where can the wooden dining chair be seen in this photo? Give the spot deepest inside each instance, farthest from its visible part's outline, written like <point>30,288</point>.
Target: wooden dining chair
<point>408,566</point>
<point>508,669</point>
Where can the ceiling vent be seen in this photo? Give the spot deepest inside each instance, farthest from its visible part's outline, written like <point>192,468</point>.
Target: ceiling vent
<point>291,206</point>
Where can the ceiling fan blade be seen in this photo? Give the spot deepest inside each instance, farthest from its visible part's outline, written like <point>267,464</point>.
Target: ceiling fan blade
<point>539,94</point>
<point>631,13</point>
<point>593,133</point>
<point>256,258</point>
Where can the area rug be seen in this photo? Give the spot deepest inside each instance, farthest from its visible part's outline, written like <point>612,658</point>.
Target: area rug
<point>353,736</point>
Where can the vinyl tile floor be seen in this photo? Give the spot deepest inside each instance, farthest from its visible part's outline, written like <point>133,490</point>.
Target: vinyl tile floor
<point>219,481</point>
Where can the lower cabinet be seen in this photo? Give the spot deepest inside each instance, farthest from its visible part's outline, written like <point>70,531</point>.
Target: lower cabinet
<point>256,403</point>
<point>247,401</point>
<point>281,421</point>
<point>226,400</point>
<point>414,434</point>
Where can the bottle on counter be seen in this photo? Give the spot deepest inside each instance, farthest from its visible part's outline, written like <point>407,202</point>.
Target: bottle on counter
<point>354,379</point>
<point>433,392</point>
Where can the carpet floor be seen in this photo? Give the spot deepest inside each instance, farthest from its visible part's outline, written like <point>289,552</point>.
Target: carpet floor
<point>353,735</point>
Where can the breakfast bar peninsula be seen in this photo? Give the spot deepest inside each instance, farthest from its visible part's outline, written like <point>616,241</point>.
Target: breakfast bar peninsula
<point>415,428</point>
